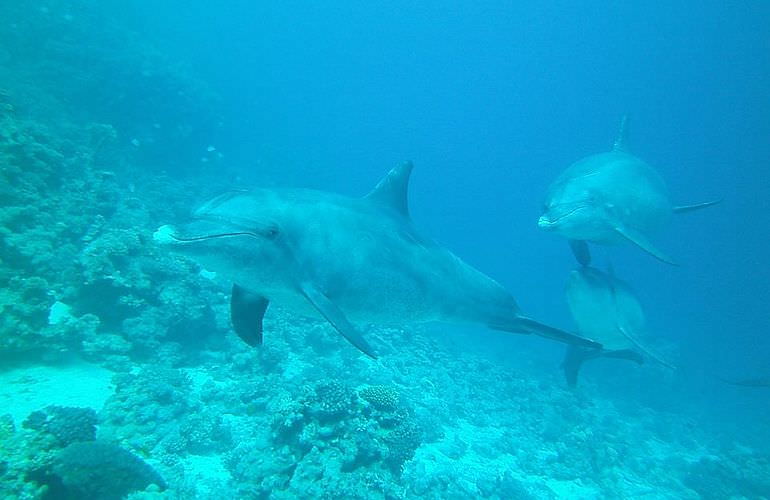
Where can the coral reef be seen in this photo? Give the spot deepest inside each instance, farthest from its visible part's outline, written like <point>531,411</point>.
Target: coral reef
<point>382,397</point>
<point>146,406</point>
<point>85,60</point>
<point>102,273</point>
<point>21,453</point>
<point>735,474</point>
<point>402,443</point>
<point>101,137</point>
<point>101,471</point>
<point>67,425</point>
<point>56,455</point>
<point>331,401</point>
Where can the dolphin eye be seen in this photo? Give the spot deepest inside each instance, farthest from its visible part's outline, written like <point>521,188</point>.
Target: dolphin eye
<point>272,232</point>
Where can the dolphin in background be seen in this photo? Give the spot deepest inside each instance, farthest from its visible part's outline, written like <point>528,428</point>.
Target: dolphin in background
<point>347,260</point>
<point>610,198</point>
<point>606,309</point>
<point>748,382</point>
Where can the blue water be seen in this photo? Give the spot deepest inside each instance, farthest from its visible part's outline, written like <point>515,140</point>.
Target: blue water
<point>491,102</point>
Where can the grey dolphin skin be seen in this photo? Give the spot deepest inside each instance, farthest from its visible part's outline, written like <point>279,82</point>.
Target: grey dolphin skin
<point>348,260</point>
<point>606,309</point>
<point>610,198</point>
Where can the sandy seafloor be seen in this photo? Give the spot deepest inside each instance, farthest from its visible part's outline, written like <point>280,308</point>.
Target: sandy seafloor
<point>111,346</point>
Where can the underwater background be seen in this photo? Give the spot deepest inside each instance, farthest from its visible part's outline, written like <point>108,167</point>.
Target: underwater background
<point>120,374</point>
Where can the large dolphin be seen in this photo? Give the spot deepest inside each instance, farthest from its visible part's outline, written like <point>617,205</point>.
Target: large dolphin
<point>348,260</point>
<point>606,309</point>
<point>610,198</point>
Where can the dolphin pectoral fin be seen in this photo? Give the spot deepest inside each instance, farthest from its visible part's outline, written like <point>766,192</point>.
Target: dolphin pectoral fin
<point>528,325</point>
<point>689,208</point>
<point>581,252</point>
<point>246,312</point>
<point>642,242</point>
<point>336,317</point>
<point>632,338</point>
<point>574,359</point>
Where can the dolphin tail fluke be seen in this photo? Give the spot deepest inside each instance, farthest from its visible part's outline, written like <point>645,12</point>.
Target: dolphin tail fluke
<point>581,252</point>
<point>689,208</point>
<point>576,356</point>
<point>246,312</point>
<point>337,318</point>
<point>527,325</point>
<point>573,360</point>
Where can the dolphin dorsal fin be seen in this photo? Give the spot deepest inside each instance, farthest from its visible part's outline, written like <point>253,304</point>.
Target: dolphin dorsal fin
<point>391,191</point>
<point>621,143</point>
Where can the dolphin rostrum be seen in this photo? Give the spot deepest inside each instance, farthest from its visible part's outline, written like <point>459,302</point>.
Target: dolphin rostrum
<point>348,260</point>
<point>607,310</point>
<point>610,198</point>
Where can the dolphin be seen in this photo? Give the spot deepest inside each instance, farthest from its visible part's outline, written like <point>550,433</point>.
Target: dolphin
<point>748,382</point>
<point>347,260</point>
<point>610,198</point>
<point>607,310</point>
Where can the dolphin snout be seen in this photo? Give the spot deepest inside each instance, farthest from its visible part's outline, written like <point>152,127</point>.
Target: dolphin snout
<point>544,222</point>
<point>165,235</point>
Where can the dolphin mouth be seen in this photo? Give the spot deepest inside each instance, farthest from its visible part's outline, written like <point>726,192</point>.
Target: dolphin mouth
<point>550,222</point>
<point>191,239</point>
<point>545,222</point>
<point>169,235</point>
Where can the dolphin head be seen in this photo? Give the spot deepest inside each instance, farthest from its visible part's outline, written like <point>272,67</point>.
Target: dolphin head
<point>237,234</point>
<point>569,210</point>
